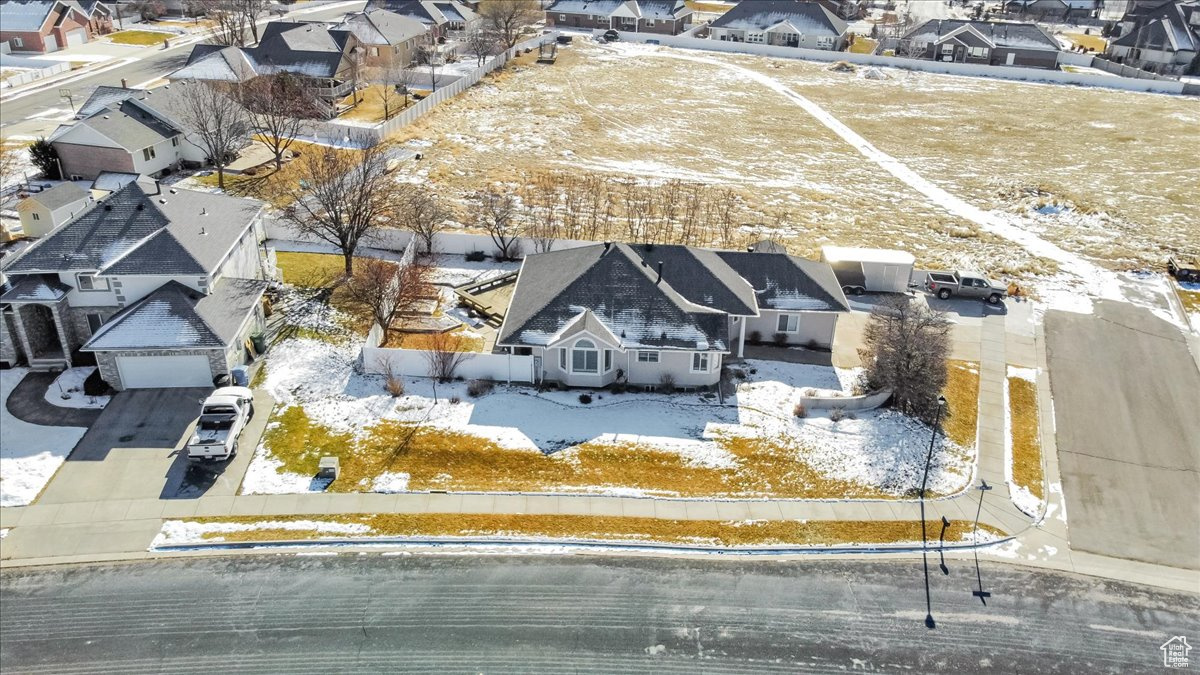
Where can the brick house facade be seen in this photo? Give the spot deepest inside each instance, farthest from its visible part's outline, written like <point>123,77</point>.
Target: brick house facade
<point>61,25</point>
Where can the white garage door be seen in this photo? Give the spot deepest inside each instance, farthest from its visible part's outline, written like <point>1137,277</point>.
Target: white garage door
<point>51,43</point>
<point>156,372</point>
<point>76,37</point>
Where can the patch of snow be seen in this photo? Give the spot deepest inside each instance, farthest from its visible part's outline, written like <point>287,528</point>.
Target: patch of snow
<point>390,482</point>
<point>67,390</point>
<point>177,532</point>
<point>29,453</point>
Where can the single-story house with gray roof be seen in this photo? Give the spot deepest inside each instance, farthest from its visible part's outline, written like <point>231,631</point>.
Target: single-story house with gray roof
<point>161,285</point>
<point>665,17</point>
<point>43,211</point>
<point>612,312</point>
<point>996,43</point>
<point>783,23</point>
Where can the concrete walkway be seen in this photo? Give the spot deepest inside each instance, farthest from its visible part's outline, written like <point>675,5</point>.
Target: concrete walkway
<point>85,530</point>
<point>28,403</point>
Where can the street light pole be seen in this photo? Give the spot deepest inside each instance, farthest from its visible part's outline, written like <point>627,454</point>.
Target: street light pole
<point>981,594</point>
<point>929,622</point>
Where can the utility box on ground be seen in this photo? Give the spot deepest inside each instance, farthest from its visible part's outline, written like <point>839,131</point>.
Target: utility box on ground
<point>327,468</point>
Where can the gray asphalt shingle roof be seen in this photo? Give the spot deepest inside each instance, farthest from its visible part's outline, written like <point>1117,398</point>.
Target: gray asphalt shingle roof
<point>614,284</point>
<point>379,26</point>
<point>175,232</point>
<point>701,276</point>
<point>1008,34</point>
<point>35,288</point>
<point>785,282</point>
<point>809,18</point>
<point>178,317</point>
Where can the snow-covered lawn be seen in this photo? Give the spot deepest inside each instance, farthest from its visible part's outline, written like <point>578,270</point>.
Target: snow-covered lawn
<point>29,453</point>
<point>742,448</point>
<point>67,390</point>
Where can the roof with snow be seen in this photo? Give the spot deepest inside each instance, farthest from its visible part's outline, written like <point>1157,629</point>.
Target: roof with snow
<point>178,317</point>
<point>664,10</point>
<point>614,284</point>
<point>1166,27</point>
<point>435,12</point>
<point>161,111</point>
<point>381,27</point>
<point>617,288</point>
<point>127,123</point>
<point>28,15</point>
<point>132,232</point>
<point>112,181</point>
<point>60,195</point>
<point>36,288</point>
<point>785,282</point>
<point>1007,34</point>
<point>309,49</point>
<point>807,18</point>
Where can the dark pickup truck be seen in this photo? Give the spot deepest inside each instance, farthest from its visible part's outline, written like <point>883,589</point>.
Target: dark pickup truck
<point>1184,268</point>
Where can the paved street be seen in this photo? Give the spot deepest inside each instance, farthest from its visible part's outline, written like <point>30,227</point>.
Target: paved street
<point>574,614</point>
<point>1125,395</point>
<point>19,110</point>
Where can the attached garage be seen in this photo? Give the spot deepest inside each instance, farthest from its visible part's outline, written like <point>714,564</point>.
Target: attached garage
<point>76,37</point>
<point>156,372</point>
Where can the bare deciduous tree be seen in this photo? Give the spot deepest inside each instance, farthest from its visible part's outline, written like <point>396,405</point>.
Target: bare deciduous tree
<point>445,352</point>
<point>422,213</point>
<point>389,290</point>
<point>391,80</point>
<point>482,43</point>
<point>723,214</point>
<point>230,29</point>
<point>506,18</point>
<point>496,214</point>
<point>218,122</point>
<point>251,10</point>
<point>10,159</point>
<point>343,195</point>
<point>907,344</point>
<point>280,107</point>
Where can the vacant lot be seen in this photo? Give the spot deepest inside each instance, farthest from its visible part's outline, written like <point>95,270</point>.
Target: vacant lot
<point>1069,163</point>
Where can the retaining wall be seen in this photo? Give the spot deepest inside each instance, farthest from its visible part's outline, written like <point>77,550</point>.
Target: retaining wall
<point>965,69</point>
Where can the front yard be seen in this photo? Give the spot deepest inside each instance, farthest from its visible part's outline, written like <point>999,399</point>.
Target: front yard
<point>141,38</point>
<point>517,439</point>
<point>29,453</point>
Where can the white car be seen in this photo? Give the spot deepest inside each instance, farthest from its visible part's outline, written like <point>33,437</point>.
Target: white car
<point>223,415</point>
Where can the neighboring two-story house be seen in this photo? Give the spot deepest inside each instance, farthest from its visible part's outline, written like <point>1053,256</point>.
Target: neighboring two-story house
<point>128,131</point>
<point>603,313</point>
<point>666,17</point>
<point>995,43</point>
<point>446,18</point>
<point>783,23</point>
<point>44,26</point>
<point>386,37</point>
<point>1164,38</point>
<point>163,286</point>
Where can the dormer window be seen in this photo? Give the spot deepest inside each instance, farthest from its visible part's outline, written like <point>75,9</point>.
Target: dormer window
<point>88,282</point>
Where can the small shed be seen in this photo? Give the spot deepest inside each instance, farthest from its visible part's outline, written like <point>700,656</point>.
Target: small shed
<point>869,269</point>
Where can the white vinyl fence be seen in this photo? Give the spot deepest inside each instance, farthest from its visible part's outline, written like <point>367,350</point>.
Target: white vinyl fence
<point>966,69</point>
<point>450,243</point>
<point>24,77</point>
<point>414,363</point>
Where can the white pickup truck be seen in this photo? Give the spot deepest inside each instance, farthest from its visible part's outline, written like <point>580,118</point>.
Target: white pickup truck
<point>223,415</point>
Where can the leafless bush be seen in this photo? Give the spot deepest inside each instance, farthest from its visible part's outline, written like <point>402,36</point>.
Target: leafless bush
<point>800,410</point>
<point>666,383</point>
<point>393,383</point>
<point>837,415</point>
<point>477,388</point>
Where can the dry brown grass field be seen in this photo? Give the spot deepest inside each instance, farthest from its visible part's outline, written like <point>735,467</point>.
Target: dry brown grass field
<point>1112,173</point>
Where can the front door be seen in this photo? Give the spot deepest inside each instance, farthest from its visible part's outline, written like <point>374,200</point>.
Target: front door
<point>1012,56</point>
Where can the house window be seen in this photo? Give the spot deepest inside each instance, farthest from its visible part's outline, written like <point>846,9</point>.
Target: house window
<point>979,52</point>
<point>562,359</point>
<point>647,357</point>
<point>700,362</point>
<point>585,358</point>
<point>649,22</point>
<point>825,42</point>
<point>87,282</point>
<point>148,153</point>
<point>754,37</point>
<point>562,17</point>
<point>18,42</point>
<point>36,216</point>
<point>947,48</point>
<point>607,360</point>
<point>94,322</point>
<point>175,142</point>
<point>788,323</point>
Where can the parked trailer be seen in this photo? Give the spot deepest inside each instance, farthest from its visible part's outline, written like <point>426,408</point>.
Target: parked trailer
<point>859,270</point>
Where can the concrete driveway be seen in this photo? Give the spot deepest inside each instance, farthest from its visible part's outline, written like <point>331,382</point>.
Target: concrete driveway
<point>134,451</point>
<point>1125,396</point>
